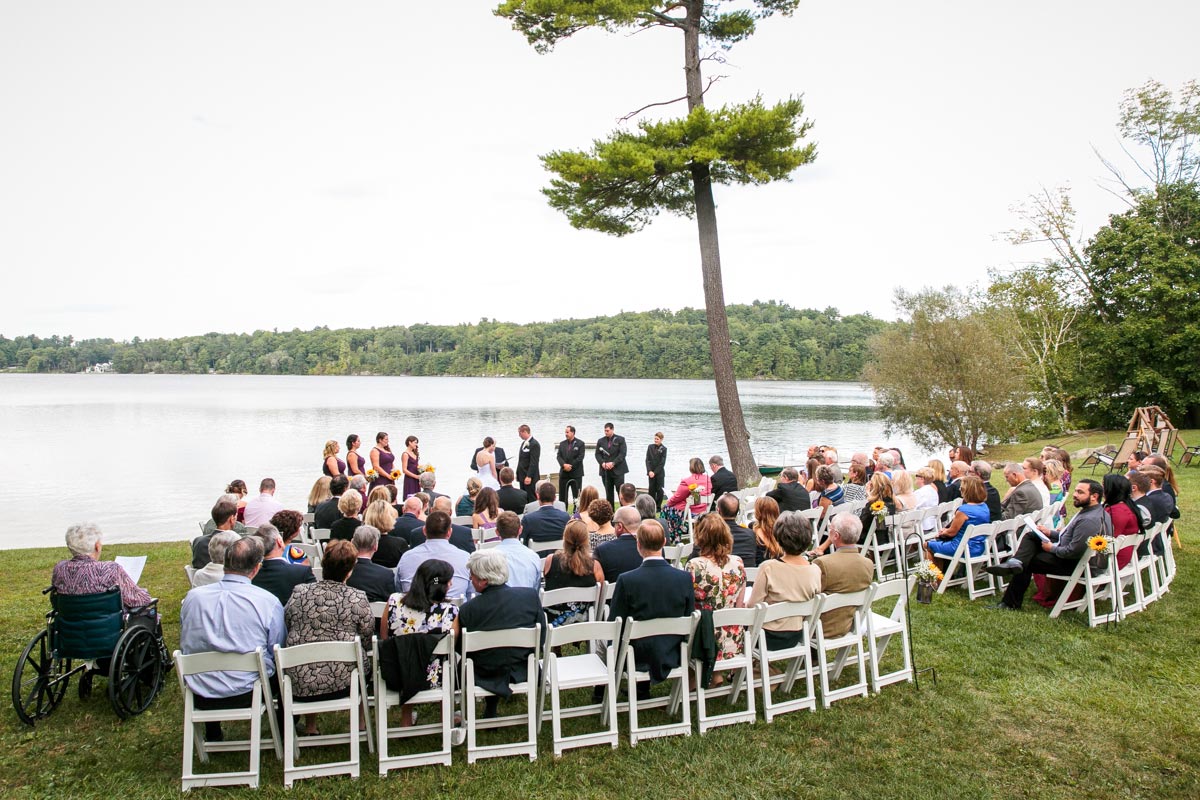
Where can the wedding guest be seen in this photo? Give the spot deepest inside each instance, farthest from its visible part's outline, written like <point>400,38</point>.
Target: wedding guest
<point>854,489</point>
<point>223,518</point>
<point>646,506</point>
<point>719,578</point>
<point>972,512</point>
<point>424,608</point>
<point>465,506</point>
<point>766,512</point>
<point>601,515</point>
<point>289,524</point>
<point>328,512</point>
<point>214,570</point>
<point>571,567</point>
<point>829,491</point>
<point>487,510</point>
<point>349,505</point>
<point>587,496</point>
<point>674,514</point>
<point>790,494</point>
<point>319,493</point>
<point>789,578</point>
<point>85,573</point>
<point>374,580</point>
<point>262,508</point>
<point>238,487</point>
<point>743,538</point>
<point>902,490</point>
<point>939,479</point>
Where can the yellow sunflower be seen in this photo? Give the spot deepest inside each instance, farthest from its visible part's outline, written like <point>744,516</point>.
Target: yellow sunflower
<point>878,506</point>
<point>1098,543</point>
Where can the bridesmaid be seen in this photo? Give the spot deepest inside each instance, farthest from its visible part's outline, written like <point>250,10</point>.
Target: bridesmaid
<point>333,465</point>
<point>355,463</point>
<point>382,461</point>
<point>409,461</point>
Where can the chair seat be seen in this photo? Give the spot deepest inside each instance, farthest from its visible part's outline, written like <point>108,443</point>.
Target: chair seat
<point>582,670</point>
<point>846,640</point>
<point>884,625</point>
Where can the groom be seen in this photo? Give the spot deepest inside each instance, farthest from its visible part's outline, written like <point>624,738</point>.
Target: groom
<point>528,466</point>
<point>501,459</point>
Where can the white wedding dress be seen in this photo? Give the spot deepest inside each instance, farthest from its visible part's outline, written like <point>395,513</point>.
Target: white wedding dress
<point>487,477</point>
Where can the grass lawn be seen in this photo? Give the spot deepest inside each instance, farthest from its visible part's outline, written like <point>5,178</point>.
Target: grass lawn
<point>1024,706</point>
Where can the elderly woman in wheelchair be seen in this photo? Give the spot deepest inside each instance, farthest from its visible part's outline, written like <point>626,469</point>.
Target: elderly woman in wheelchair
<point>101,620</point>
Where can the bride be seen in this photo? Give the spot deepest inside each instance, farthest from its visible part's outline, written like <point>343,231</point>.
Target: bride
<point>485,461</point>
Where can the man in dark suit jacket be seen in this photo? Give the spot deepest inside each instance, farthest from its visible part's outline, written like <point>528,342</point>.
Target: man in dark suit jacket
<point>745,546</point>
<point>511,498</point>
<point>1148,492</point>
<point>277,576</point>
<point>621,555</point>
<point>327,513</point>
<point>529,466</point>
<point>570,452</point>
<point>610,454</point>
<point>656,466</point>
<point>546,523</point>
<point>460,535</point>
<point>789,493</point>
<point>378,582</point>
<point>501,458</point>
<point>984,471</point>
<point>654,590</point>
<point>954,479</point>
<point>411,523</point>
<point>722,480</point>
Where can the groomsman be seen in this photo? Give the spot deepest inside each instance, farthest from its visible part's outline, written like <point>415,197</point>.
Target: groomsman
<point>528,463</point>
<point>570,465</point>
<point>656,462</point>
<point>610,453</point>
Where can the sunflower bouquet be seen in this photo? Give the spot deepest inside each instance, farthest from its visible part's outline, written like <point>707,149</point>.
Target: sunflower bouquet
<point>372,474</point>
<point>879,509</point>
<point>928,573</point>
<point>396,474</point>
<point>1100,544</point>
<point>428,468</point>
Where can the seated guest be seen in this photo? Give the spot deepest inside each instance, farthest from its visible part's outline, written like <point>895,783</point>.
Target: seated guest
<point>319,493</point>
<point>436,545</point>
<point>380,493</point>
<point>393,497</point>
<point>536,502</point>
<point>599,522</point>
<point>844,569</point>
<point>231,616</point>
<point>957,470</point>
<point>654,590</point>
<point>524,566</point>
<point>926,494</point>
<point>1122,512</point>
<point>460,535</point>
<point>85,573</point>
<point>722,479</point>
<point>719,579</point>
<point>1157,500</point>
<point>349,504</point>
<point>224,518</point>
<point>983,470</point>
<point>1022,497</point>
<point>327,611</point>
<point>289,524</point>
<point>571,567</point>
<point>766,512</point>
<point>487,511</point>
<point>381,516</point>
<point>879,488</point>
<point>328,512</point>
<point>358,484</point>
<point>374,580</point>
<point>1035,472</point>
<point>674,513</point>
<point>546,523</point>
<point>1059,554</point>
<point>428,481</point>
<point>465,506</point>
<point>744,543</point>
<point>854,488</point>
<point>587,496</point>
<point>790,578</point>
<point>423,609</point>
<point>260,509</point>
<point>509,496</point>
<point>409,524</point>
<point>829,491</point>
<point>238,489</point>
<point>973,511</point>
<point>646,506</point>
<point>902,490</point>
<point>276,575</point>
<point>498,607</point>
<point>939,478</point>
<point>214,570</point>
<point>621,554</point>
<point>627,494</point>
<point>789,493</point>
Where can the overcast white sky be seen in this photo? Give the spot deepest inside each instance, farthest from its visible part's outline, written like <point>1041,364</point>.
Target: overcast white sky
<point>176,168</point>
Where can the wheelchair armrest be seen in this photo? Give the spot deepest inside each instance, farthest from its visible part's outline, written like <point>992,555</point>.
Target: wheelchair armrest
<point>151,606</point>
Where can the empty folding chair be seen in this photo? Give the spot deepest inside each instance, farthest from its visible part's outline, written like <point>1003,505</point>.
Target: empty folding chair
<point>1147,563</point>
<point>596,667</point>
<point>738,671</point>
<point>882,627</point>
<point>797,658</point>
<point>475,641</point>
<point>843,645</point>
<point>194,742</point>
<point>295,707</point>
<point>684,628</point>
<point>678,553</point>
<point>442,696</point>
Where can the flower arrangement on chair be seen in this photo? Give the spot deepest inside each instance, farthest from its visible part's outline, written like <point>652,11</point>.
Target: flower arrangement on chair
<point>928,576</point>
<point>1100,544</point>
<point>694,489</point>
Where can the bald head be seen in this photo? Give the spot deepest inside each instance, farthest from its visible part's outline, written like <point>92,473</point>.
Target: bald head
<point>413,506</point>
<point>628,518</point>
<point>443,505</point>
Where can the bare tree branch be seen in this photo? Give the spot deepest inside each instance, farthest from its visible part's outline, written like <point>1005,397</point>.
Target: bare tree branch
<point>635,112</point>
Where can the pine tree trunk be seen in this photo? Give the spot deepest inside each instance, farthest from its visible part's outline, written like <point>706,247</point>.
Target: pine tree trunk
<point>737,437</point>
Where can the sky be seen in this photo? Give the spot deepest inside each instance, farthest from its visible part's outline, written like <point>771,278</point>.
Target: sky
<point>172,168</point>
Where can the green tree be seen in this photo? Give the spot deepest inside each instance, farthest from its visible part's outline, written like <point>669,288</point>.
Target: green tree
<point>945,376</point>
<point>623,182</point>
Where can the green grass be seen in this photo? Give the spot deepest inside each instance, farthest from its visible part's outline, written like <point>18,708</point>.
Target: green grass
<point>1024,706</point>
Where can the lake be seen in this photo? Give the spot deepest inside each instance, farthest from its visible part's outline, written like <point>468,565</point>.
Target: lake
<point>145,456</point>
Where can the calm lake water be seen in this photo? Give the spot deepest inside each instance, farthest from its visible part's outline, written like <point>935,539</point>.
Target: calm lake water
<point>145,456</point>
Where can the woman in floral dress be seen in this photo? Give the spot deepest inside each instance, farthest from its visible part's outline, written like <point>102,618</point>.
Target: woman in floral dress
<point>719,578</point>
<point>424,609</point>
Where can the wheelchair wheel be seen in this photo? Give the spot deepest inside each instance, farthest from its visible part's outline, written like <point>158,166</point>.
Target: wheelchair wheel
<point>136,674</point>
<point>39,681</point>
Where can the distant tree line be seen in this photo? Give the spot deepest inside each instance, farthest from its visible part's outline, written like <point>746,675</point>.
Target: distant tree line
<point>772,341</point>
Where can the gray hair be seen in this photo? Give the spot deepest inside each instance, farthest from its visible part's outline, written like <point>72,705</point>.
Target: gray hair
<point>366,538</point>
<point>427,480</point>
<point>233,498</point>
<point>716,461</point>
<point>82,538</point>
<point>268,535</point>
<point>628,517</point>
<point>646,506</point>
<point>243,556</point>
<point>983,469</point>
<point>489,565</point>
<point>219,543</point>
<point>1013,468</point>
<point>443,504</point>
<point>790,474</point>
<point>358,483</point>
<point>886,460</point>
<point>848,528</point>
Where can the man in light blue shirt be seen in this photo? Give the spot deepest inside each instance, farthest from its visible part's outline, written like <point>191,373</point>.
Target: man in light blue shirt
<point>231,616</point>
<point>437,545</point>
<point>524,566</point>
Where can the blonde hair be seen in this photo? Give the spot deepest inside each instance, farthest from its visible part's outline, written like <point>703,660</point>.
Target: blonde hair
<point>379,493</point>
<point>330,448</point>
<point>1052,470</point>
<point>939,469</point>
<point>473,486</point>
<point>320,491</point>
<point>380,514</point>
<point>350,503</point>
<point>902,482</point>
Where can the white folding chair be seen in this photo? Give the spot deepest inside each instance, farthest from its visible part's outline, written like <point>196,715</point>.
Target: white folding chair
<point>312,551</point>
<point>843,645</point>
<point>882,627</point>
<point>544,548</point>
<point>1129,576</point>
<point>604,596</point>
<point>972,566</point>
<point>467,520</point>
<point>194,719</point>
<point>318,573</point>
<point>595,667</point>
<point>684,628</point>
<point>882,554</point>
<point>320,537</point>
<point>294,707</point>
<point>475,641</point>
<point>443,696</point>
<point>676,554</point>
<point>1147,564</point>
<point>306,528</point>
<point>571,594</point>
<point>739,671</point>
<point>1098,585</point>
<point>798,658</point>
<point>190,571</point>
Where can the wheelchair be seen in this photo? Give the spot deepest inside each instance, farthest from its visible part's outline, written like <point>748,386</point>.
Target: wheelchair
<point>89,635</point>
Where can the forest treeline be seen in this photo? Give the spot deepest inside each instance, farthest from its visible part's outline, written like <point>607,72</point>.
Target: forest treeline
<point>772,341</point>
